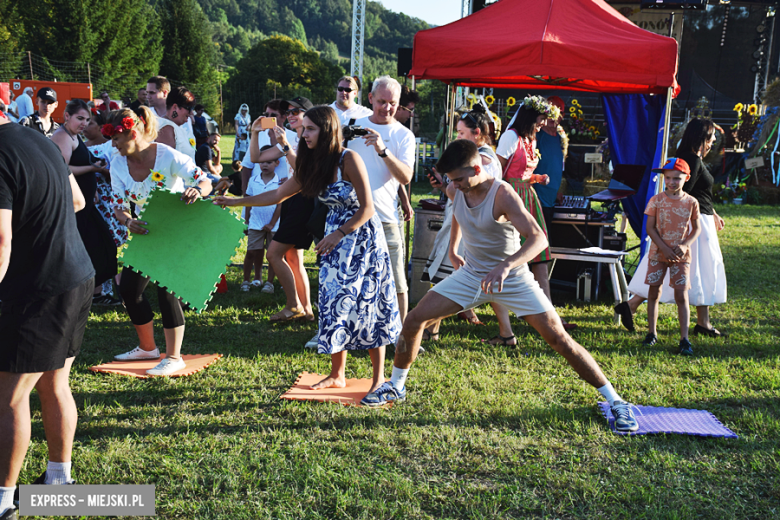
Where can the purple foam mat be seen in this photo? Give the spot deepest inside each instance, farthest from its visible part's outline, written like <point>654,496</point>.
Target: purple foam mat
<point>654,419</point>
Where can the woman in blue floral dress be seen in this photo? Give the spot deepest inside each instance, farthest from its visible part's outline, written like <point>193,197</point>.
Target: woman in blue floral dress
<point>358,308</point>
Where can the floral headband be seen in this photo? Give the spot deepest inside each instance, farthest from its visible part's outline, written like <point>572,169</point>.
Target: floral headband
<point>542,106</point>
<point>127,123</point>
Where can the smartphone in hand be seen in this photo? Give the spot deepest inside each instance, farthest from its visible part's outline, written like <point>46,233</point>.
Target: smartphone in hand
<point>267,123</point>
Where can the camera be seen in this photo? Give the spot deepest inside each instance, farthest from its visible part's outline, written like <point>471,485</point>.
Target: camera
<point>351,131</point>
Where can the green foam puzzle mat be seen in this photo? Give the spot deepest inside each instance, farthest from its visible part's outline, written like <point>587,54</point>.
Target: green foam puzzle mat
<point>187,248</point>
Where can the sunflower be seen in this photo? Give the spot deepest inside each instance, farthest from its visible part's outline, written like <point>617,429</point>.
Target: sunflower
<point>192,142</point>
<point>490,100</point>
<point>592,128</point>
<point>576,103</point>
<point>579,112</point>
<point>510,102</point>
<point>157,176</point>
<point>597,133</point>
<point>572,109</point>
<point>753,110</point>
<point>739,107</point>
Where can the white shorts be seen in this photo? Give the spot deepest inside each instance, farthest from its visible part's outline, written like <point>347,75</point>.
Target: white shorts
<point>521,293</point>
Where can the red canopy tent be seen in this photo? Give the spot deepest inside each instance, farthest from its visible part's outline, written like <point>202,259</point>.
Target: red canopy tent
<point>547,44</point>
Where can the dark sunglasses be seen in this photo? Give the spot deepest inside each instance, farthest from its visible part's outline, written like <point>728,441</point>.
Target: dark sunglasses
<point>345,89</point>
<point>401,107</point>
<point>188,108</point>
<point>294,111</point>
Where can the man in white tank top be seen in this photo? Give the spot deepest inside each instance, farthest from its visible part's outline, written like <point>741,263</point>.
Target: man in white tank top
<point>490,217</point>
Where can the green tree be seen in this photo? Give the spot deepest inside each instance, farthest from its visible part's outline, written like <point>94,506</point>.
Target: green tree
<point>11,32</point>
<point>190,54</point>
<point>122,46</point>
<point>282,67</point>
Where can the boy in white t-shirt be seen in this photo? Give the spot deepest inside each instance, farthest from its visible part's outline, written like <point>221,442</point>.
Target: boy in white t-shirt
<point>263,221</point>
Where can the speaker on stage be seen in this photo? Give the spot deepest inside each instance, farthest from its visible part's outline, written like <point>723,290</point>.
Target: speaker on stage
<point>404,61</point>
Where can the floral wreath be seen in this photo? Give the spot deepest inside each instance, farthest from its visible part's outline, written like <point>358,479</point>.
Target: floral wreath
<point>109,130</point>
<point>542,106</point>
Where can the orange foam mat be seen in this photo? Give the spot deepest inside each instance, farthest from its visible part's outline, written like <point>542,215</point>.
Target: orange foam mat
<point>351,394</point>
<point>194,363</point>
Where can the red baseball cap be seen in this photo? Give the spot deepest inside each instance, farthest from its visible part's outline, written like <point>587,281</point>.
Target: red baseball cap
<point>675,163</point>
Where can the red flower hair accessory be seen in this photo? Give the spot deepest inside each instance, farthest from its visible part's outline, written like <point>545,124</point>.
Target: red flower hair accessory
<point>110,131</point>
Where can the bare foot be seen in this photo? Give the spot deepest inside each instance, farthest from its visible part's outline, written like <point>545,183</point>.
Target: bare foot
<point>330,382</point>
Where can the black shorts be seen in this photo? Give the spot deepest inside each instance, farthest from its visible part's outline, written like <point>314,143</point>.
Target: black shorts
<point>39,335</point>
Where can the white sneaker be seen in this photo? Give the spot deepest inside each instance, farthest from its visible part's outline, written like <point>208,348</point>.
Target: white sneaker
<point>167,367</point>
<point>268,288</point>
<point>245,287</point>
<point>138,354</point>
<point>257,283</point>
<point>313,342</point>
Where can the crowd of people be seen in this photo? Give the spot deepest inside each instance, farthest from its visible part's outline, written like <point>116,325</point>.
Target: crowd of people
<point>331,174</point>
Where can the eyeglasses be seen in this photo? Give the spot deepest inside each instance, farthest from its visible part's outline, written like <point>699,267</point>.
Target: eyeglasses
<point>401,107</point>
<point>345,89</point>
<point>293,111</point>
<point>270,114</point>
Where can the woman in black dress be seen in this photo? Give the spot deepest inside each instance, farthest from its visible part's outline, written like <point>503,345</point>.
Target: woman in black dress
<point>92,228</point>
<point>708,272</point>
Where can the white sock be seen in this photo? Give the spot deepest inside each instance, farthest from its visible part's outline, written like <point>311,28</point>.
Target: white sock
<point>6,499</point>
<point>57,473</point>
<point>609,393</point>
<point>399,377</point>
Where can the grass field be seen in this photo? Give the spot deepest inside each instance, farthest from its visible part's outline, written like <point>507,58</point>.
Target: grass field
<point>487,431</point>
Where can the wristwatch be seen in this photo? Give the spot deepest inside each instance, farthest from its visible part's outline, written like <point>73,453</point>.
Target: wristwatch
<point>383,153</point>
<point>284,149</point>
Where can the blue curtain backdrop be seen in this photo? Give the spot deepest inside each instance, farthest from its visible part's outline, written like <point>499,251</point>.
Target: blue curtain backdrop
<point>635,125</point>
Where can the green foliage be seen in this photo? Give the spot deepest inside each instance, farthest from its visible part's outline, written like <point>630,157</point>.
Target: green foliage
<point>11,31</point>
<point>328,24</point>
<point>261,75</point>
<point>123,46</point>
<point>189,51</point>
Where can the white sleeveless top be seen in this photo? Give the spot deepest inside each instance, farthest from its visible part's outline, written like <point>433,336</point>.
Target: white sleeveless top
<point>486,243</point>
<point>184,143</point>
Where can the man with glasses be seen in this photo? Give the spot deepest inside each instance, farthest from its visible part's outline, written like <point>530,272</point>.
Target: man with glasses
<point>409,99</point>
<point>388,153</point>
<point>41,120</point>
<point>107,104</point>
<point>345,106</point>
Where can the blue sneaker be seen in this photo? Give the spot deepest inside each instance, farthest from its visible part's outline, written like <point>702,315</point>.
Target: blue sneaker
<point>624,417</point>
<point>383,395</point>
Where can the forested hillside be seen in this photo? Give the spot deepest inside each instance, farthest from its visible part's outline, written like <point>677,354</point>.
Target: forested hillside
<point>324,25</point>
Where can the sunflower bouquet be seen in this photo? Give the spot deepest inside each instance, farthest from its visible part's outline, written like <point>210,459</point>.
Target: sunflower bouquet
<point>579,129</point>
<point>748,118</point>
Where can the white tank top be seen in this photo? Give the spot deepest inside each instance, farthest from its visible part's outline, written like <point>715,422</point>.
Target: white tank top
<point>183,143</point>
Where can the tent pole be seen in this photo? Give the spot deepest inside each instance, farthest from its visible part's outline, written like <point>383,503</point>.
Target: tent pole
<point>659,186</point>
<point>451,123</point>
<point>408,187</point>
